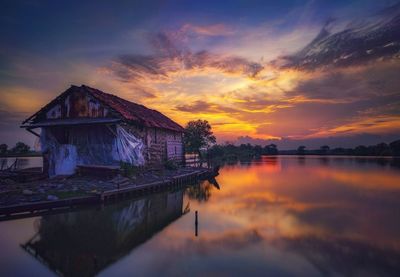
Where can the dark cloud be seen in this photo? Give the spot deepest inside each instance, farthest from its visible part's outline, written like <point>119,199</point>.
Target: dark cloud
<point>337,98</point>
<point>376,37</point>
<point>169,58</point>
<point>337,86</point>
<point>146,94</point>
<point>370,83</point>
<point>328,99</point>
<point>308,118</point>
<point>198,106</point>
<point>258,102</point>
<point>11,118</point>
<point>205,107</point>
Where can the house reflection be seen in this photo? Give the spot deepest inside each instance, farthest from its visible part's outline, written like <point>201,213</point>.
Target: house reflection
<point>85,242</point>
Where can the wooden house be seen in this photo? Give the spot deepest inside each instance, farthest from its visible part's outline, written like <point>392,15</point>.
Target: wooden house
<point>85,126</point>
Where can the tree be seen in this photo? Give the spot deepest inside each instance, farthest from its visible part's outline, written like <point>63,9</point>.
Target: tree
<point>361,150</point>
<point>301,150</point>
<point>258,150</point>
<point>382,149</point>
<point>198,135</point>
<point>324,149</point>
<point>20,148</point>
<point>395,147</point>
<point>216,150</point>
<point>271,149</point>
<point>3,148</point>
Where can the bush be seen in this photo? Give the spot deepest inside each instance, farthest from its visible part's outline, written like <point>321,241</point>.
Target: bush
<point>128,170</point>
<point>170,165</point>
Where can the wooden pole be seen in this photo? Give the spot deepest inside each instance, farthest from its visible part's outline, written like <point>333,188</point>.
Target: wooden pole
<point>196,223</point>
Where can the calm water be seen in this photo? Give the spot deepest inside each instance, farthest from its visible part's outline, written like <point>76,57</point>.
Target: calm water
<point>22,162</point>
<point>281,216</point>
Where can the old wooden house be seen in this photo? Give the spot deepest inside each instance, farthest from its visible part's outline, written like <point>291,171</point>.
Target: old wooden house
<point>85,126</point>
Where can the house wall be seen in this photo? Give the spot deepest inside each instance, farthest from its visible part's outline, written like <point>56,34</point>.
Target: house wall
<point>156,146</point>
<point>165,145</point>
<point>160,144</point>
<point>174,146</point>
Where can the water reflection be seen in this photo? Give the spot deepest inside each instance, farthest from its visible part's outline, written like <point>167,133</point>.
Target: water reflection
<point>200,192</point>
<point>277,216</point>
<point>337,214</point>
<point>22,162</point>
<point>83,243</point>
<point>346,257</point>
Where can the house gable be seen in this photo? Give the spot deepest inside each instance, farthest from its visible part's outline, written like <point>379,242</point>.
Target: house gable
<point>73,104</point>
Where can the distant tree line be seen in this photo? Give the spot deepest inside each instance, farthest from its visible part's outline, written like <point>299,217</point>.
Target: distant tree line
<point>20,148</point>
<point>380,149</point>
<point>231,152</point>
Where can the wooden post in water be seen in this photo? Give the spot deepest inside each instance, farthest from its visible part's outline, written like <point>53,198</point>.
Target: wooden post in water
<point>196,223</point>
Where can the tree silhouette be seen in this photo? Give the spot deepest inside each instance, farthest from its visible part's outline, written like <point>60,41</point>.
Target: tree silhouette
<point>395,147</point>
<point>20,148</point>
<point>198,134</point>
<point>271,149</point>
<point>324,149</point>
<point>3,148</point>
<point>301,150</point>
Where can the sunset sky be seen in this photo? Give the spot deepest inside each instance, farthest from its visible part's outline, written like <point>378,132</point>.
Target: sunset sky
<point>288,72</point>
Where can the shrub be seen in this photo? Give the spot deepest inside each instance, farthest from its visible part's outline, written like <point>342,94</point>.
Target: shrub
<point>128,170</point>
<point>170,165</point>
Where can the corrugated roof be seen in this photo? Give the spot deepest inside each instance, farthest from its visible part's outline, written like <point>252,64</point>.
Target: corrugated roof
<point>128,110</point>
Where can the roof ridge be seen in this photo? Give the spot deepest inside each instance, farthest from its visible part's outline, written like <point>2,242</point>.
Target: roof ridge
<point>147,120</point>
<point>116,96</point>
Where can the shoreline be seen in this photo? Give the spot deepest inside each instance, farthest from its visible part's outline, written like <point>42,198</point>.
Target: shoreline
<point>27,155</point>
<point>123,189</point>
<point>335,155</point>
<point>38,154</point>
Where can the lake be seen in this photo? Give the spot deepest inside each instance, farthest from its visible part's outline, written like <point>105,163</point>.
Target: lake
<point>22,162</point>
<point>277,216</point>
